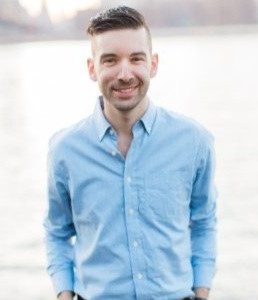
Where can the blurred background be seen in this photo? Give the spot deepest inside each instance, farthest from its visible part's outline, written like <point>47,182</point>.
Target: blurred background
<point>30,20</point>
<point>208,71</point>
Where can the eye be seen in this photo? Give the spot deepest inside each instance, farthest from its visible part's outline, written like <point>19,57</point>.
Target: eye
<point>109,61</point>
<point>139,58</point>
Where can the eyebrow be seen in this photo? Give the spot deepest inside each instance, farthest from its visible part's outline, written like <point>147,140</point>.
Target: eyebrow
<point>140,53</point>
<point>107,55</point>
<point>110,55</point>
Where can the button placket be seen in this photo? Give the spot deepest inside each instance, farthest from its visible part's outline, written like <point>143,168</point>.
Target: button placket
<point>132,217</point>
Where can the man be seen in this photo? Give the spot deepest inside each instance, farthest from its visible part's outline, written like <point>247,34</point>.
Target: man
<point>131,191</point>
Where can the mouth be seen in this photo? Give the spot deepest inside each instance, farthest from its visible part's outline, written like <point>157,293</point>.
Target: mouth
<point>125,92</point>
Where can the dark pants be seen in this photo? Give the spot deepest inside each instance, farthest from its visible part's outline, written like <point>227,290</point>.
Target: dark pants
<point>80,298</point>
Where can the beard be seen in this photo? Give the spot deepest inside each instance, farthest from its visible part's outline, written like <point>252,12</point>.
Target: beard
<point>125,104</point>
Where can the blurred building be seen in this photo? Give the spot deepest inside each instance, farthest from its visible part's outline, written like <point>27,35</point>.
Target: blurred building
<point>43,21</point>
<point>12,11</point>
<point>15,20</point>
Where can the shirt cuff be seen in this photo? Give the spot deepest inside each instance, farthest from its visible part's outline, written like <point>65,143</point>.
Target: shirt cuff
<point>203,276</point>
<point>63,281</point>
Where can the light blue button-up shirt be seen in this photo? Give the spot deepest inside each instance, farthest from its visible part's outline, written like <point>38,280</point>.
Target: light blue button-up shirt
<point>141,227</point>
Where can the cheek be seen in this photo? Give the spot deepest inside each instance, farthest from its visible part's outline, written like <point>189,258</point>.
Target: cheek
<point>105,76</point>
<point>144,74</point>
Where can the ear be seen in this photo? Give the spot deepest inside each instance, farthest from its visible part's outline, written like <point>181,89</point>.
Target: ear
<point>91,69</point>
<point>154,65</point>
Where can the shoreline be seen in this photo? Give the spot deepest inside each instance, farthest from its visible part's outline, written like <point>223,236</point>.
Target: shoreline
<point>12,37</point>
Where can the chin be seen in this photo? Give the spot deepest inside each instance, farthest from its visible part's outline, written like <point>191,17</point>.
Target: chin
<point>126,105</point>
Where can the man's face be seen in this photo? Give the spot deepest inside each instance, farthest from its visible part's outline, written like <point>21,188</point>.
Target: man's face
<point>122,64</point>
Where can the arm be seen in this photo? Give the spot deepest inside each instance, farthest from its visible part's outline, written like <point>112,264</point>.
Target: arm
<point>59,229</point>
<point>203,219</point>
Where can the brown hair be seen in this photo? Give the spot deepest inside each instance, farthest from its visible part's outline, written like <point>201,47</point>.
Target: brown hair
<point>121,17</point>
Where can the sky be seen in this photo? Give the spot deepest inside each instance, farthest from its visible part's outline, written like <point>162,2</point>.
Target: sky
<point>58,9</point>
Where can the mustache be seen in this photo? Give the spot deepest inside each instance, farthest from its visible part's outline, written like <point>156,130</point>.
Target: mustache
<point>125,84</point>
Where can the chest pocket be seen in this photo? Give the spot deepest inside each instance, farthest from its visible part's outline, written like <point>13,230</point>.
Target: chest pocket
<point>166,194</point>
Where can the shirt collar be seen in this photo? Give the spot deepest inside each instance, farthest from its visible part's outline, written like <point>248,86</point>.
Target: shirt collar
<point>101,122</point>
<point>149,117</point>
<point>103,125</point>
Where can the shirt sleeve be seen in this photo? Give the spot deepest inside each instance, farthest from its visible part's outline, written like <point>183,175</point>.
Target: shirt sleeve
<point>203,215</point>
<point>59,228</point>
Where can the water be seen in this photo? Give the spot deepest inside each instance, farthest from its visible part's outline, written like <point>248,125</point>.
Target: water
<point>45,86</point>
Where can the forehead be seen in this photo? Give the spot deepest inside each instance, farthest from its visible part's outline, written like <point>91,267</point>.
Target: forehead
<point>121,41</point>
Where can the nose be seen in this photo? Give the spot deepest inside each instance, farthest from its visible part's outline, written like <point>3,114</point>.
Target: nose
<point>125,71</point>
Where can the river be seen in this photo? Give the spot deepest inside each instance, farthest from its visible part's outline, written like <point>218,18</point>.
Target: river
<point>44,86</point>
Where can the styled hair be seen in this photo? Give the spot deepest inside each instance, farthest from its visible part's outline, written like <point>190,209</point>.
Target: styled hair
<point>121,17</point>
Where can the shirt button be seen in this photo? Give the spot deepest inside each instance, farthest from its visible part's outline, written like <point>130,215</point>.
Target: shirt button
<point>129,179</point>
<point>111,131</point>
<point>113,153</point>
<point>131,212</point>
<point>135,244</point>
<point>139,276</point>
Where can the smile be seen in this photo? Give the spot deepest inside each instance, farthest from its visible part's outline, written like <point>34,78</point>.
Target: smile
<point>125,90</point>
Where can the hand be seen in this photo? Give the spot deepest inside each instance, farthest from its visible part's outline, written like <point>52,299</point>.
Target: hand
<point>201,292</point>
<point>66,295</point>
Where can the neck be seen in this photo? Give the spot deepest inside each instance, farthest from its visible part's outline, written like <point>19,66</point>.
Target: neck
<point>123,121</point>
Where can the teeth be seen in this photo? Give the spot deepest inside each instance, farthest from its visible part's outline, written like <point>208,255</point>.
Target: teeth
<point>125,90</point>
